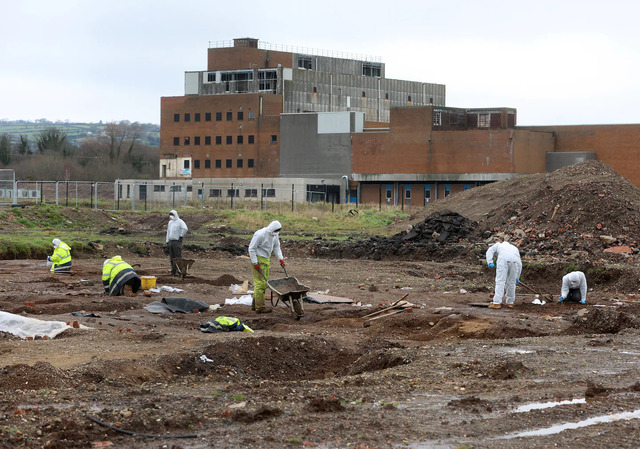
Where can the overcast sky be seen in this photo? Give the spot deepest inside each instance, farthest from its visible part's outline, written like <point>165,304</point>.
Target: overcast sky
<point>557,62</point>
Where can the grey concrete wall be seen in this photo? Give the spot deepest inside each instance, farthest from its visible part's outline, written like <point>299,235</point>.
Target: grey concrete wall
<point>304,152</point>
<point>554,161</point>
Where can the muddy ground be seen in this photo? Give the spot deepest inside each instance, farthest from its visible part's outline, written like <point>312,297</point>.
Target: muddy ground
<point>446,374</point>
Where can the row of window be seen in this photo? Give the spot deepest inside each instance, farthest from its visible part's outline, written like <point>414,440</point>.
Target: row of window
<point>218,163</point>
<point>427,191</point>
<point>230,193</point>
<point>228,140</point>
<point>208,116</point>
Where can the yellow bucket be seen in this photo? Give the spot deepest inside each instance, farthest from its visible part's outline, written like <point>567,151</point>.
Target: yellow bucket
<point>148,282</point>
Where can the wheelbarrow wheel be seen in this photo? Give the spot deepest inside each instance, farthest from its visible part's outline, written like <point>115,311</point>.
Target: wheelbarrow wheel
<point>297,308</point>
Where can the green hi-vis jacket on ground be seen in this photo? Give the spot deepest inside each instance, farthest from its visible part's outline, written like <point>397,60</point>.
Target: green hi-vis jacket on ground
<point>116,273</point>
<point>61,258</point>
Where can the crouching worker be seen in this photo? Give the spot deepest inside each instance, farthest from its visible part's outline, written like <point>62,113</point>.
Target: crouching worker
<point>60,260</point>
<point>574,288</point>
<point>118,278</point>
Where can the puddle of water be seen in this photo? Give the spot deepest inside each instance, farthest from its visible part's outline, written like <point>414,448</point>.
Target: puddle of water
<point>543,405</point>
<point>519,351</point>
<point>624,416</point>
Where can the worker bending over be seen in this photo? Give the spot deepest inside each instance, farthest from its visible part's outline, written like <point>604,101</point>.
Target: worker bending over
<point>574,288</point>
<point>118,277</point>
<point>508,268</point>
<point>60,260</point>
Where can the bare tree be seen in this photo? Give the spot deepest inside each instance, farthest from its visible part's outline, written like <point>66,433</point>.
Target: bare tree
<point>121,136</point>
<point>23,146</point>
<point>5,149</point>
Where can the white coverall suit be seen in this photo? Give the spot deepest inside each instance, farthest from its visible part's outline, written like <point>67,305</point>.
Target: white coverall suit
<point>508,269</point>
<point>574,280</point>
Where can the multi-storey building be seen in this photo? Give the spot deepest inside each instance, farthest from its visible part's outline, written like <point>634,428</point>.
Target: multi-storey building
<point>227,125</point>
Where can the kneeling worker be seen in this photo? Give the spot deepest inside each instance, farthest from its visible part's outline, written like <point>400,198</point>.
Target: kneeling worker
<point>60,260</point>
<point>118,277</point>
<point>574,287</point>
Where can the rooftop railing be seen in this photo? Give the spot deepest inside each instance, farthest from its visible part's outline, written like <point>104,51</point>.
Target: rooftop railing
<point>301,50</point>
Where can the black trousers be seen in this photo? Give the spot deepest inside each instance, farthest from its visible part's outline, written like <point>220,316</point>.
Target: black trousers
<point>175,252</point>
<point>574,295</point>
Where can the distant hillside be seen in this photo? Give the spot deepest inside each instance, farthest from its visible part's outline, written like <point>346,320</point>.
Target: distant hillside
<point>75,131</point>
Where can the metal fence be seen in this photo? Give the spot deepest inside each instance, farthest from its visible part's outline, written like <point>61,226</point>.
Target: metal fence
<point>149,196</point>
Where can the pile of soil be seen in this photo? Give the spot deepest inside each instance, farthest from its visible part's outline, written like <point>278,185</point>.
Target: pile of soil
<point>587,213</point>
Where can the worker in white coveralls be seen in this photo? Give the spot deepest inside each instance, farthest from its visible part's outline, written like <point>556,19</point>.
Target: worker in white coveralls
<point>60,260</point>
<point>508,268</point>
<point>574,288</point>
<point>176,229</point>
<point>265,241</point>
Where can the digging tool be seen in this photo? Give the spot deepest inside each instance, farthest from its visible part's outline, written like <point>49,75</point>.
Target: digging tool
<point>544,296</point>
<point>399,303</point>
<point>386,315</point>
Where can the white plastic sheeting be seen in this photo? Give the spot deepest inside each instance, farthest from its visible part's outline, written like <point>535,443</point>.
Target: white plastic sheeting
<point>24,327</point>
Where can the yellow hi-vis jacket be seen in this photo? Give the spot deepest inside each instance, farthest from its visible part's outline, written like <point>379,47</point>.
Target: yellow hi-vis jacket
<point>115,273</point>
<point>61,258</point>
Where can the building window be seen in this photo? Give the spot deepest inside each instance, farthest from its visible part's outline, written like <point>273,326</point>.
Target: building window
<point>250,163</point>
<point>229,116</point>
<point>187,117</point>
<point>437,118</point>
<point>251,193</point>
<point>371,69</point>
<point>218,140</point>
<point>251,115</point>
<point>389,192</point>
<point>196,140</point>
<point>207,116</point>
<point>363,94</point>
<point>240,140</point>
<point>218,163</point>
<point>207,163</point>
<point>407,192</point>
<point>176,117</point>
<point>158,188</point>
<point>229,163</point>
<point>447,190</point>
<point>409,99</point>
<point>215,193</point>
<point>240,115</point>
<point>484,120</point>
<point>175,188</point>
<point>251,139</point>
<point>187,140</point>
<point>229,140</point>
<point>207,140</point>
<point>467,187</point>
<point>427,194</point>
<point>185,164</point>
<point>218,116</point>
<point>196,164</point>
<point>196,117</point>
<point>231,193</point>
<point>176,141</point>
<point>386,96</point>
<point>274,138</point>
<point>269,193</point>
<point>239,163</point>
<point>315,90</point>
<point>304,62</point>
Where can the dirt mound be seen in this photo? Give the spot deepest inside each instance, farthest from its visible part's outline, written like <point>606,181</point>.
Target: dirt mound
<point>40,375</point>
<point>438,237</point>
<point>603,321</point>
<point>581,209</point>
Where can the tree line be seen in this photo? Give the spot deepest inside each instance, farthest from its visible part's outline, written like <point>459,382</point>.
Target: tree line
<point>115,152</point>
